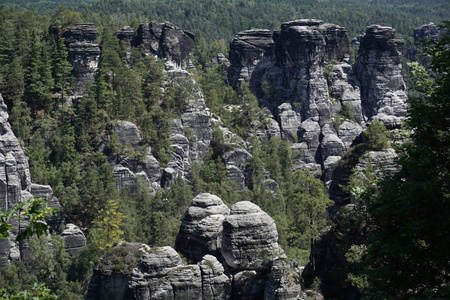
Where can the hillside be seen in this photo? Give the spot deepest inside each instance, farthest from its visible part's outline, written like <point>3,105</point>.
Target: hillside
<point>258,172</point>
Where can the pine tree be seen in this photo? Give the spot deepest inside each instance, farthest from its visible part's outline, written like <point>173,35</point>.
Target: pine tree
<point>38,78</point>
<point>107,226</point>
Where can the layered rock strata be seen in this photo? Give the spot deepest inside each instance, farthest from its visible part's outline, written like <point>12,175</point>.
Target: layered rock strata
<point>162,40</point>
<point>321,102</point>
<point>378,69</point>
<point>242,261</point>
<point>84,54</point>
<point>201,228</point>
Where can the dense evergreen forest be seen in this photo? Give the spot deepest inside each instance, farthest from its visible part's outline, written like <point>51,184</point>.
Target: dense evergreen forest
<point>217,19</point>
<point>66,144</point>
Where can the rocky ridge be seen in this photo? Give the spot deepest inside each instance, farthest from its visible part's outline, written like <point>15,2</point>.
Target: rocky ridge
<point>321,102</point>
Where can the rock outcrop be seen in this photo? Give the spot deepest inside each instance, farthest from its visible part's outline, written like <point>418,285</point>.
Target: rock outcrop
<point>321,103</point>
<point>378,69</point>
<point>428,32</point>
<point>249,237</point>
<point>84,54</point>
<point>74,239</point>
<point>201,228</point>
<point>16,186</point>
<point>162,40</point>
<point>242,261</point>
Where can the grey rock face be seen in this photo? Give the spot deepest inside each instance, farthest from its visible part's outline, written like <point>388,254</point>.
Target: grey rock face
<point>250,50</point>
<point>128,133</point>
<point>125,179</point>
<point>249,236</point>
<point>16,186</point>
<point>235,175</point>
<point>128,171</point>
<point>46,192</point>
<point>427,32</point>
<point>378,69</point>
<point>14,170</point>
<point>126,34</point>
<point>73,238</point>
<point>160,273</point>
<point>283,283</point>
<point>201,228</point>
<point>289,121</point>
<point>236,157</point>
<point>84,53</point>
<point>164,40</point>
<point>348,131</point>
<point>216,285</point>
<point>301,73</point>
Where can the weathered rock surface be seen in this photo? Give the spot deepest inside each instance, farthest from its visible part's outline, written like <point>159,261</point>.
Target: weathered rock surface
<point>128,133</point>
<point>201,228</point>
<point>251,49</point>
<point>74,239</point>
<point>378,69</point>
<point>249,236</point>
<point>162,40</point>
<point>301,73</point>
<point>84,54</point>
<point>130,172</point>
<point>16,186</point>
<point>428,32</point>
<point>136,271</point>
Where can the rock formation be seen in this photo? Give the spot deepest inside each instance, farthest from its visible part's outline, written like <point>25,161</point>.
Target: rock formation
<point>201,228</point>
<point>243,261</point>
<point>249,237</point>
<point>84,54</point>
<point>74,239</point>
<point>16,186</point>
<point>162,40</point>
<point>321,102</point>
<point>378,69</point>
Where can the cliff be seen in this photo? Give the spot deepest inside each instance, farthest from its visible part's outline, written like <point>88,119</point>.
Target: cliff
<point>301,73</point>
<point>16,186</point>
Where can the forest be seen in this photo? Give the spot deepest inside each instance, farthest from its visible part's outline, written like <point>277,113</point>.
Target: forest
<point>66,144</point>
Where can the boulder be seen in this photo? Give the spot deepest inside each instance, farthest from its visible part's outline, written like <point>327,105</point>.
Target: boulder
<point>201,228</point>
<point>74,239</point>
<point>128,133</point>
<point>249,236</point>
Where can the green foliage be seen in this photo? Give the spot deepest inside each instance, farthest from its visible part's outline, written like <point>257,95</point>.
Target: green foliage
<point>37,291</point>
<point>309,201</point>
<point>408,214</point>
<point>375,137</point>
<point>45,275</point>
<point>34,211</point>
<point>107,226</point>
